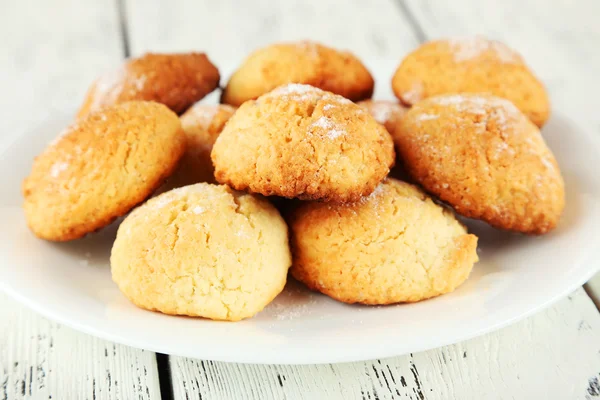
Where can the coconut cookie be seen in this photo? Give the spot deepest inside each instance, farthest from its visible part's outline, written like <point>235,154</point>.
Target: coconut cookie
<point>485,158</point>
<point>300,141</point>
<point>387,113</point>
<point>202,125</point>
<point>395,245</point>
<point>471,65</point>
<point>204,251</point>
<point>305,62</point>
<point>176,80</point>
<point>101,167</point>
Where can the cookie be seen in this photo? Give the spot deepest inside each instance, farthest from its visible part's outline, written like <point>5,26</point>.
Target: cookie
<point>298,141</point>
<point>387,113</point>
<point>100,167</point>
<point>204,251</point>
<point>395,245</point>
<point>471,65</point>
<point>485,158</point>
<point>175,80</point>
<point>311,63</point>
<point>202,125</point>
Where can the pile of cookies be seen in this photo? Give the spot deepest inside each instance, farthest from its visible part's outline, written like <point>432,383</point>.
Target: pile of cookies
<point>297,144</point>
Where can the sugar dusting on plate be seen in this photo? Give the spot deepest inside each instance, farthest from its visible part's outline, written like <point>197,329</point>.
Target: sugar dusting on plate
<point>293,303</point>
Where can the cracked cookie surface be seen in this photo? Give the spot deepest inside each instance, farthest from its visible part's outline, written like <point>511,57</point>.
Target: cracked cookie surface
<point>298,141</point>
<point>395,245</point>
<point>175,80</point>
<point>305,62</point>
<point>202,250</point>
<point>485,158</point>
<point>471,65</point>
<point>101,167</point>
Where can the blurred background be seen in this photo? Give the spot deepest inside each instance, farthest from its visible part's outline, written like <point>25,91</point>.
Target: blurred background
<point>52,50</point>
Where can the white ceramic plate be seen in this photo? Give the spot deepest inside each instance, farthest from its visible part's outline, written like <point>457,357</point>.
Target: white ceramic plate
<point>517,276</point>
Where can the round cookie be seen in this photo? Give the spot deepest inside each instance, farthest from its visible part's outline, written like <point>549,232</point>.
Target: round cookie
<point>471,65</point>
<point>300,141</point>
<point>387,113</point>
<point>202,125</point>
<point>202,250</point>
<point>100,167</point>
<point>485,158</point>
<point>176,80</point>
<point>396,245</point>
<point>311,63</point>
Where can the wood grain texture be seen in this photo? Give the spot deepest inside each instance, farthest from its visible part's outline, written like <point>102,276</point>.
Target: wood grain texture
<point>553,355</point>
<point>40,359</point>
<point>228,29</point>
<point>51,51</point>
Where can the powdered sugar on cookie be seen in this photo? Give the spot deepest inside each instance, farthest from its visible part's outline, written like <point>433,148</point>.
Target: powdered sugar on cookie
<point>57,168</point>
<point>426,117</point>
<point>302,92</point>
<point>500,110</point>
<point>331,129</point>
<point>382,111</point>
<point>471,48</point>
<point>309,48</point>
<point>204,113</point>
<point>414,95</point>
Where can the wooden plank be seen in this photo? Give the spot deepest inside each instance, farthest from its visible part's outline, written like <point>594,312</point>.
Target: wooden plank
<point>228,29</point>
<point>51,53</point>
<point>42,359</point>
<point>554,354</point>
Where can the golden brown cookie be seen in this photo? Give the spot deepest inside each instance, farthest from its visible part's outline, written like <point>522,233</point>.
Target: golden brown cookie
<point>202,125</point>
<point>300,141</point>
<point>387,113</point>
<point>396,245</point>
<point>311,63</point>
<point>100,167</point>
<point>481,155</point>
<point>202,250</point>
<point>471,65</point>
<point>176,80</point>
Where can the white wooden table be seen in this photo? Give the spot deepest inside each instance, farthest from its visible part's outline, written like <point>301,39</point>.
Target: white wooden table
<point>51,50</point>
